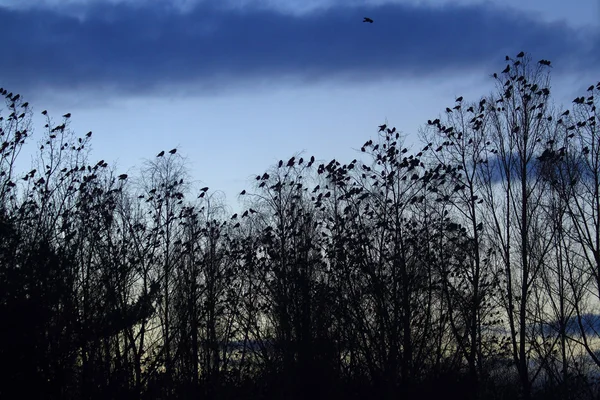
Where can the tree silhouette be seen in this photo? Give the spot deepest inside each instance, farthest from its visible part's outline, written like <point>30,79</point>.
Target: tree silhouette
<point>469,268</point>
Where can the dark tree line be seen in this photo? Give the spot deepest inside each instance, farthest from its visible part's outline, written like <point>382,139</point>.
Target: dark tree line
<point>470,267</point>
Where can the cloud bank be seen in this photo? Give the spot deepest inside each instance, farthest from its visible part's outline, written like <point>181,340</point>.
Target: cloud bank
<point>132,48</point>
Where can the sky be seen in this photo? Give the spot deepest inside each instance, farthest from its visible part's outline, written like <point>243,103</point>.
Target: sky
<point>237,85</point>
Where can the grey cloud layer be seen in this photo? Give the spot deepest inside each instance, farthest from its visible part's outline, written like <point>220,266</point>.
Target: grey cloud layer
<point>142,48</point>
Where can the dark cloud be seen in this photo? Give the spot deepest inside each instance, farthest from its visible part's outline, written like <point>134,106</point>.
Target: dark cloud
<point>590,323</point>
<point>137,49</point>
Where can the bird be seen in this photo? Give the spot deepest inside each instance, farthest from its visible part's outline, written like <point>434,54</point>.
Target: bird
<point>521,54</point>
<point>173,151</point>
<point>162,153</point>
<point>44,112</point>
<point>88,134</point>
<point>243,192</point>
<point>204,189</point>
<point>459,99</point>
<point>122,176</point>
<point>506,69</point>
<point>369,20</point>
<point>67,115</point>
<point>544,62</point>
<point>590,88</point>
<point>24,105</point>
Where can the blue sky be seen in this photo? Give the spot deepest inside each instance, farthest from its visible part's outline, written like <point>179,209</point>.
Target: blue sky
<point>238,84</point>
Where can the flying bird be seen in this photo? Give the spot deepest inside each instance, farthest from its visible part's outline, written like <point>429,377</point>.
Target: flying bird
<point>173,151</point>
<point>369,20</point>
<point>162,153</point>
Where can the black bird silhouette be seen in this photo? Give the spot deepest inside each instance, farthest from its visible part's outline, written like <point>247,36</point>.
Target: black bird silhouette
<point>544,62</point>
<point>521,54</point>
<point>16,97</point>
<point>507,58</point>
<point>448,110</point>
<point>243,192</point>
<point>506,69</point>
<point>162,153</point>
<point>280,163</point>
<point>369,20</point>
<point>24,105</point>
<point>590,88</point>
<point>459,99</point>
<point>382,127</point>
<point>88,134</point>
<point>123,176</point>
<point>44,112</point>
<point>204,189</point>
<point>67,115</point>
<point>173,151</point>
<point>291,162</point>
